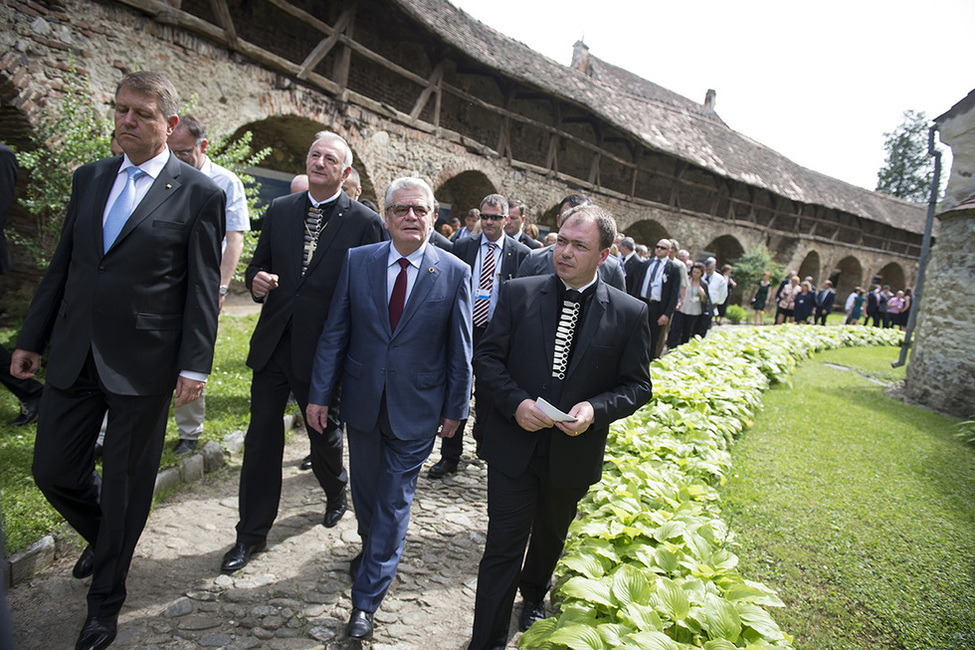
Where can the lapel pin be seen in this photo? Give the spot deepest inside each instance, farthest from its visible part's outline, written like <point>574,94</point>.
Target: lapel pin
<point>430,269</point>
<point>169,186</point>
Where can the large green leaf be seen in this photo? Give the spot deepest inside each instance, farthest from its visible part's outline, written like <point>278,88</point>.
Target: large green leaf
<point>630,585</point>
<point>578,637</point>
<point>538,633</point>
<point>720,644</point>
<point>642,617</point>
<point>594,591</point>
<point>759,620</point>
<point>653,641</point>
<point>585,563</point>
<point>673,598</point>
<point>754,593</point>
<point>723,620</point>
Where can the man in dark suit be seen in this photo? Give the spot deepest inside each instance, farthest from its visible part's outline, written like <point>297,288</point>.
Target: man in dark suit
<point>658,284</point>
<point>515,228</point>
<point>581,346</point>
<point>539,261</point>
<point>398,335</point>
<point>129,306</point>
<point>27,391</point>
<point>293,272</point>
<point>824,302</point>
<point>631,261</point>
<point>494,258</point>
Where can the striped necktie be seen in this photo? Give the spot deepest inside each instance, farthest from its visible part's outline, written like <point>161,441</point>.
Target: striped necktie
<point>486,282</point>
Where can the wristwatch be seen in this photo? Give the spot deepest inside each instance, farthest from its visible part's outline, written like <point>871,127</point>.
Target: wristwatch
<point>224,289</point>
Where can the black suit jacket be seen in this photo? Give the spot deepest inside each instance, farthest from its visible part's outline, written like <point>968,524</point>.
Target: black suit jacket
<point>8,187</point>
<point>630,268</point>
<point>513,253</point>
<point>609,368</point>
<point>301,302</point>
<point>825,299</point>
<point>146,308</point>
<point>669,288</point>
<point>528,241</point>
<point>440,241</point>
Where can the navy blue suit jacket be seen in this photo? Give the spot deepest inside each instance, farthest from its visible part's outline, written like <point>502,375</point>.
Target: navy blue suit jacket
<point>424,367</point>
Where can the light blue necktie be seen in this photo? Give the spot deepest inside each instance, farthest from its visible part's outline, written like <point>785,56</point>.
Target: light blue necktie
<point>121,209</point>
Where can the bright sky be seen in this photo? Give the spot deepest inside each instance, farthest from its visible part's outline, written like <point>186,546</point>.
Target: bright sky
<point>819,82</point>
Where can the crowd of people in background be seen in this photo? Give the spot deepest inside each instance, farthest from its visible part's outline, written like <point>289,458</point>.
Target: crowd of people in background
<point>880,307</point>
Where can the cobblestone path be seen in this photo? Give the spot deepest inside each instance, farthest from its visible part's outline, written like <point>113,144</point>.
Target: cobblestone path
<point>295,594</point>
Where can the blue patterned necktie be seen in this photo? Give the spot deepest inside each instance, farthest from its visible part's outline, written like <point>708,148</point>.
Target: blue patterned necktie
<point>121,209</point>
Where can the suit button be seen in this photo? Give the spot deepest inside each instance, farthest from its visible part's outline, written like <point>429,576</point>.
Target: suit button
<point>545,386</point>
<point>101,269</point>
<point>382,371</point>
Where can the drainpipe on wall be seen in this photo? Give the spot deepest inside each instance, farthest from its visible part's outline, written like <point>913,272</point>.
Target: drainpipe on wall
<point>925,249</point>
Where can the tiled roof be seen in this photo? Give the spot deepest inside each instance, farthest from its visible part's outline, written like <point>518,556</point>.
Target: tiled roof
<point>661,119</point>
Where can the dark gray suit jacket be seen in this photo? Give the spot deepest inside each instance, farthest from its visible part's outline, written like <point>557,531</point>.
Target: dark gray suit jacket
<point>513,253</point>
<point>539,262</point>
<point>147,307</point>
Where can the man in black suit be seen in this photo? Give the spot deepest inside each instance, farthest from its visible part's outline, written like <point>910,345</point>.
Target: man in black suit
<point>824,302</point>
<point>293,272</point>
<point>27,391</point>
<point>583,347</point>
<point>658,284</point>
<point>494,258</point>
<point>515,228</point>
<point>129,307</point>
<point>539,261</point>
<point>631,261</point>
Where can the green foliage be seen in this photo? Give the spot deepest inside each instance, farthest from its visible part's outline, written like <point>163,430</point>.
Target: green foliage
<point>68,135</point>
<point>908,170</point>
<point>238,155</point>
<point>648,563</point>
<point>748,269</point>
<point>966,431</point>
<point>735,313</point>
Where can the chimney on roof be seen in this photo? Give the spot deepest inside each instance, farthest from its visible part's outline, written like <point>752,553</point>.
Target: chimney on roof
<point>709,99</point>
<point>580,57</point>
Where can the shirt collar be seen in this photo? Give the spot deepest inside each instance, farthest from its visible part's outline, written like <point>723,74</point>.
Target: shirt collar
<point>580,289</point>
<point>500,243</point>
<point>153,167</point>
<point>328,200</point>
<point>414,258</point>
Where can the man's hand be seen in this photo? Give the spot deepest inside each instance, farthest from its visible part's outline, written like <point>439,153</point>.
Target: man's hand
<point>663,320</point>
<point>316,416</point>
<point>24,364</point>
<point>188,390</point>
<point>584,415</point>
<point>262,283</point>
<point>448,427</point>
<point>530,418</point>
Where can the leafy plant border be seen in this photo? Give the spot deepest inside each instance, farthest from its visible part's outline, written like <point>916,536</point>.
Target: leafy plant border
<point>648,563</point>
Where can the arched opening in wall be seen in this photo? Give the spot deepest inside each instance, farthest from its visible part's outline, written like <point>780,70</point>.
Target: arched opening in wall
<point>462,192</point>
<point>724,250</point>
<point>893,274</point>
<point>847,276</point>
<point>289,137</point>
<point>810,267</point>
<point>647,232</point>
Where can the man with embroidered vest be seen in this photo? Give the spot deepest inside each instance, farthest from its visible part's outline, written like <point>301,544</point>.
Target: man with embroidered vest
<point>582,346</point>
<point>494,258</point>
<point>293,272</point>
<point>129,307</point>
<point>398,335</point>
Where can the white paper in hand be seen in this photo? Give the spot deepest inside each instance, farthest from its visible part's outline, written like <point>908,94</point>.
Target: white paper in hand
<point>553,413</point>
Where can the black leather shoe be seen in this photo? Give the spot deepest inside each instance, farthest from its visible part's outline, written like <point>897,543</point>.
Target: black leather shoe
<point>85,564</point>
<point>237,557</point>
<point>530,613</point>
<point>442,468</point>
<point>184,447</point>
<point>354,566</point>
<point>28,412</point>
<point>360,625</point>
<point>334,512</point>
<point>305,464</point>
<point>97,633</point>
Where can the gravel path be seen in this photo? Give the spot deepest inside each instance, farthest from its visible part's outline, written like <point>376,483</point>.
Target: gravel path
<point>295,594</point>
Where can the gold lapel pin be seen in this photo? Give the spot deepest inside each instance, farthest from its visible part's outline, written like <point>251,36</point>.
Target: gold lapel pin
<point>430,269</point>
<point>169,186</point>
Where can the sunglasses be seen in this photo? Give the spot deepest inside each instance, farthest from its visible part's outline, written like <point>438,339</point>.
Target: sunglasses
<point>493,217</point>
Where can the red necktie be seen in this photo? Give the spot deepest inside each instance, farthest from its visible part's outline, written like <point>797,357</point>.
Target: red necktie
<point>397,301</point>
<point>485,283</point>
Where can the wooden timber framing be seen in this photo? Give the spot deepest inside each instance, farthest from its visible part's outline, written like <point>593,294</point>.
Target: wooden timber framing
<point>339,40</point>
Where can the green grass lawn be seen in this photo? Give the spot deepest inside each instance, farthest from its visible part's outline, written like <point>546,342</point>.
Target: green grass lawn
<point>858,509</point>
<point>28,516</point>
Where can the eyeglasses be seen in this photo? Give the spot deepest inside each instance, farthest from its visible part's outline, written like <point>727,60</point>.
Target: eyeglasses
<point>493,217</point>
<point>183,153</point>
<point>403,210</point>
<point>662,248</point>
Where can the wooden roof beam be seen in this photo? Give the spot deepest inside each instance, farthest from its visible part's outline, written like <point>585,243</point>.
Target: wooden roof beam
<point>433,86</point>
<point>226,22</point>
<point>321,50</point>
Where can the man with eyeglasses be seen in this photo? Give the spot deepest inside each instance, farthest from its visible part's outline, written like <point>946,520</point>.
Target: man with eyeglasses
<point>189,143</point>
<point>398,335</point>
<point>658,284</point>
<point>293,273</point>
<point>494,258</point>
